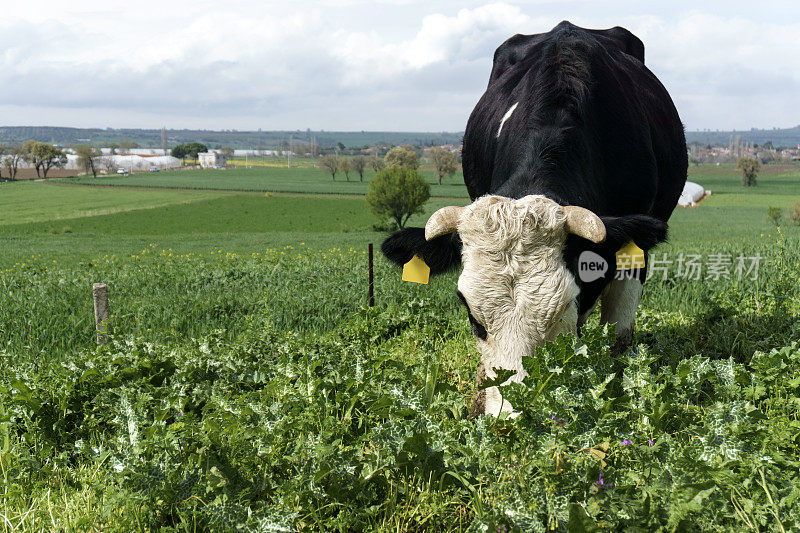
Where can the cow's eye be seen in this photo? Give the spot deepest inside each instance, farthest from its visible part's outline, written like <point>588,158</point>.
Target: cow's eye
<point>477,328</point>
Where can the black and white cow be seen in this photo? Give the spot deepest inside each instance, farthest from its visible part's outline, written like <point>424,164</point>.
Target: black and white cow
<point>575,146</point>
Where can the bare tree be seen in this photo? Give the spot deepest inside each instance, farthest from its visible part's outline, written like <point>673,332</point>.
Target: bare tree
<point>331,163</point>
<point>14,156</point>
<point>359,163</point>
<point>108,164</point>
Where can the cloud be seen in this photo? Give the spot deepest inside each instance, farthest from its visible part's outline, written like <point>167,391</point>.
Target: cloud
<point>725,72</point>
<point>470,35</point>
<point>394,65</point>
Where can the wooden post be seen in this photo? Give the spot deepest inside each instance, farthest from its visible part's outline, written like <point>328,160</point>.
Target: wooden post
<point>371,284</point>
<point>101,311</point>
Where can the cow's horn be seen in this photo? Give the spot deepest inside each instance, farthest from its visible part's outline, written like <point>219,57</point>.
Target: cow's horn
<point>443,221</point>
<point>584,223</point>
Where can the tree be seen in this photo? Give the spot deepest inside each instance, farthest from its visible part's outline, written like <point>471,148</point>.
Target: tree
<point>182,151</point>
<point>403,157</point>
<point>775,215</point>
<point>192,149</point>
<point>331,163</point>
<point>344,166</point>
<point>112,147</point>
<point>179,151</point>
<point>108,164</point>
<point>44,157</point>
<point>163,140</point>
<point>446,162</point>
<point>397,193</point>
<point>376,163</point>
<point>28,156</point>
<point>359,163</point>
<point>128,145</point>
<point>749,167</point>
<point>227,151</point>
<point>88,158</point>
<point>51,157</point>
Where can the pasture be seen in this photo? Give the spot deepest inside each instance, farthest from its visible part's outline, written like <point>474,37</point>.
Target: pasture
<point>247,387</point>
<point>302,179</point>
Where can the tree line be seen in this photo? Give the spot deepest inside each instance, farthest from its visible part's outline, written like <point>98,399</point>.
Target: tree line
<point>42,156</point>
<point>445,162</point>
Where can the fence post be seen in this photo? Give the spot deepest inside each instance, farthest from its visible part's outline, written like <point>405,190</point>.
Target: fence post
<point>101,311</point>
<point>371,283</point>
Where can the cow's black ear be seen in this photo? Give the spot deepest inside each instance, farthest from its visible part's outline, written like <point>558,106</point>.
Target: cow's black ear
<point>629,43</point>
<point>644,230</point>
<point>440,254</point>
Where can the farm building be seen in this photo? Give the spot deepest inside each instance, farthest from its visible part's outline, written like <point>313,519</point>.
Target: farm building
<point>144,162</point>
<point>138,151</point>
<point>212,159</point>
<point>133,162</point>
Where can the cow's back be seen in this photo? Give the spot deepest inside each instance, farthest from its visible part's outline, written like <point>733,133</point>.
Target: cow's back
<point>592,125</point>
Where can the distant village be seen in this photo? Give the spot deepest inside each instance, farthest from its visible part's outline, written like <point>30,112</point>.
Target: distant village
<point>765,153</point>
<point>128,157</point>
<point>69,160</point>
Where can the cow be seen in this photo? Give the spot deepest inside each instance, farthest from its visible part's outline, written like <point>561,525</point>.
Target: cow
<point>575,147</point>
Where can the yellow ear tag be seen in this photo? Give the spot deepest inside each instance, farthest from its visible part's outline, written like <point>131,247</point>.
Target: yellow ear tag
<point>630,256</point>
<point>416,271</point>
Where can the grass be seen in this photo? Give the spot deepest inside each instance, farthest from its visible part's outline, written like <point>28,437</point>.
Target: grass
<point>246,391</point>
<point>239,223</point>
<point>275,179</point>
<point>247,388</point>
<point>227,214</point>
<point>22,202</point>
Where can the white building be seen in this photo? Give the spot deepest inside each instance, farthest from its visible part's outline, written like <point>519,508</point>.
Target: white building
<point>131,162</point>
<point>212,159</point>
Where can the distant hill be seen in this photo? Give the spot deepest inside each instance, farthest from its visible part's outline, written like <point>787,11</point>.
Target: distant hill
<point>270,139</point>
<point>788,137</point>
<point>232,138</point>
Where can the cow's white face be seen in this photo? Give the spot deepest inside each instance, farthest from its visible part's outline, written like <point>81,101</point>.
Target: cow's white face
<point>514,281</point>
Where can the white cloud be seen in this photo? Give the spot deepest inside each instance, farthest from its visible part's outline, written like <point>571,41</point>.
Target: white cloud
<point>726,72</point>
<point>470,35</point>
<point>361,65</point>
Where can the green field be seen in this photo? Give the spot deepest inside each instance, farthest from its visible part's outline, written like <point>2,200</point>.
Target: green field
<point>276,179</point>
<point>248,388</point>
<point>36,201</point>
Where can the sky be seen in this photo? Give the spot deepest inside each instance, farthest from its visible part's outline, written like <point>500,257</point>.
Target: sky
<point>351,65</point>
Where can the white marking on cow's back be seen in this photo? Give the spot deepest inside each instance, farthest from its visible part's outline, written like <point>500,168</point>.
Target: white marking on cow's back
<point>506,117</point>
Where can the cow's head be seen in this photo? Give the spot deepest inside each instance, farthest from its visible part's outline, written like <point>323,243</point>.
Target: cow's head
<point>515,283</point>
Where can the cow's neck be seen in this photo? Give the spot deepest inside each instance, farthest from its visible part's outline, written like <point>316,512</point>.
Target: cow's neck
<point>520,185</point>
